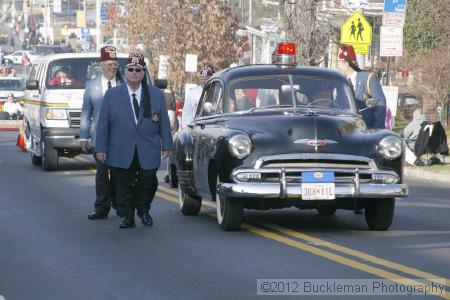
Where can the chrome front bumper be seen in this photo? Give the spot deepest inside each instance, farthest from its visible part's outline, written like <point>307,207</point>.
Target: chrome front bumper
<point>351,183</point>
<point>276,190</point>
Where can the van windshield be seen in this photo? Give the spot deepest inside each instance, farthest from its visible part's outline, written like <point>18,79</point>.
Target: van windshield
<point>72,73</point>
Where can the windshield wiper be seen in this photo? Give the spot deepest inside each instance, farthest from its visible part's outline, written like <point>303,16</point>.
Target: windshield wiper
<point>269,107</point>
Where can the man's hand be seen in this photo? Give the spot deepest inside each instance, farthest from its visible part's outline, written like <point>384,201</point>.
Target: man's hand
<point>166,153</point>
<point>101,156</point>
<point>85,146</point>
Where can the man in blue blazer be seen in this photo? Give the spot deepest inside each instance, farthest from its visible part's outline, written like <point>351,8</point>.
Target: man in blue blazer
<point>366,85</point>
<point>92,103</point>
<point>133,128</point>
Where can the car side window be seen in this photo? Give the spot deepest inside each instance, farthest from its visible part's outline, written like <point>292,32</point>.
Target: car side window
<point>215,98</point>
<point>204,99</point>
<point>211,102</point>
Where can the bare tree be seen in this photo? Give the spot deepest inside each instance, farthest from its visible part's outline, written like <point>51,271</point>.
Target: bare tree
<point>432,81</point>
<point>206,28</point>
<point>308,28</point>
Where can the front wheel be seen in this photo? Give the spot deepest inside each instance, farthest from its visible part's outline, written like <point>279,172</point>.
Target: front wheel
<point>49,157</point>
<point>189,205</point>
<point>379,214</point>
<point>229,213</point>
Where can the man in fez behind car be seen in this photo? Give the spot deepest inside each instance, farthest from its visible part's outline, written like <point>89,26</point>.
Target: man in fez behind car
<point>92,103</point>
<point>133,128</point>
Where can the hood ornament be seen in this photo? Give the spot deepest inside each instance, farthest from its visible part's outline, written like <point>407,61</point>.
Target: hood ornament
<point>315,143</point>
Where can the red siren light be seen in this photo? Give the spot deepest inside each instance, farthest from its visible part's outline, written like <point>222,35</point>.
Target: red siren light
<point>285,54</point>
<point>287,48</point>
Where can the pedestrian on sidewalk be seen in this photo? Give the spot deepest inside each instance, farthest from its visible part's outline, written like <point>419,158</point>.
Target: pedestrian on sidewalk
<point>92,103</point>
<point>133,128</point>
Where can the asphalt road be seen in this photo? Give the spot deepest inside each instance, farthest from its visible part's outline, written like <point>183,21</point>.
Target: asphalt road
<point>50,250</point>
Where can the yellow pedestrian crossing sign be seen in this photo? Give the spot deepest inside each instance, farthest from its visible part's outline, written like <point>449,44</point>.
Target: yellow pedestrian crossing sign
<point>356,30</point>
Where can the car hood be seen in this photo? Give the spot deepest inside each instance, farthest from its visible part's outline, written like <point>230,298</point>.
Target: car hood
<point>302,132</point>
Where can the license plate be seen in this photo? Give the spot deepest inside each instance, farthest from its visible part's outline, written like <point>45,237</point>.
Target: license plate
<point>318,191</point>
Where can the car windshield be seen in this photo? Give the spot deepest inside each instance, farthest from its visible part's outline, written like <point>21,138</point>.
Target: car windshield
<point>72,73</point>
<point>11,85</point>
<point>264,92</point>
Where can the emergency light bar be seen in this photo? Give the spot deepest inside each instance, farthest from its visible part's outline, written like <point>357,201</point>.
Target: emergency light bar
<point>285,54</point>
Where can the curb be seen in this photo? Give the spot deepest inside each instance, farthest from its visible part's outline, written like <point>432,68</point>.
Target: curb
<point>10,125</point>
<point>426,175</point>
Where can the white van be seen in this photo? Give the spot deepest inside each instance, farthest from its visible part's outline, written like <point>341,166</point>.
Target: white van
<point>53,110</point>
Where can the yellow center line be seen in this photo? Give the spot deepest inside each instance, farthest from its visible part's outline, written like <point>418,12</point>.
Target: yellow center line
<point>326,254</point>
<point>330,255</point>
<point>354,253</point>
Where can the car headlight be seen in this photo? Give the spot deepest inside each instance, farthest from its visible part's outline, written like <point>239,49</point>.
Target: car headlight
<point>240,145</point>
<point>390,147</point>
<point>55,114</point>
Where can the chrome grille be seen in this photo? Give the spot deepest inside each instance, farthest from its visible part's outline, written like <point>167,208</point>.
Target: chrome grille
<point>345,167</point>
<point>74,118</point>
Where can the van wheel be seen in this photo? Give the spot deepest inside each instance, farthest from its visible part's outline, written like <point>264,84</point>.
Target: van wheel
<point>189,205</point>
<point>36,160</point>
<point>380,213</point>
<point>49,157</point>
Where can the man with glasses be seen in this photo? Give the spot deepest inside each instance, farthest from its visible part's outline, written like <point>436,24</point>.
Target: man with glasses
<point>132,129</point>
<point>92,103</point>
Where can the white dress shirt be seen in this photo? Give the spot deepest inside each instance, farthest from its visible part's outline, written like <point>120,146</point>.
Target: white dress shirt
<point>138,97</point>
<point>352,78</point>
<point>105,84</point>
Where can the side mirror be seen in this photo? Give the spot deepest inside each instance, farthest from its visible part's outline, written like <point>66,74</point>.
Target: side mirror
<point>370,103</point>
<point>32,85</point>
<point>207,107</point>
<point>161,83</point>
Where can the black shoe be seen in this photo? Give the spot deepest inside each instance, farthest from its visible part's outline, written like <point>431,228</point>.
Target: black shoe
<point>146,219</point>
<point>127,222</point>
<point>98,216</point>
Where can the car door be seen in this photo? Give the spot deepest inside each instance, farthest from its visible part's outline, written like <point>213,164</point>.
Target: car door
<point>205,124</point>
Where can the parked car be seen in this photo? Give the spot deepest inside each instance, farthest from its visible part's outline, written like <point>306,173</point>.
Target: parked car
<point>16,57</point>
<point>298,141</point>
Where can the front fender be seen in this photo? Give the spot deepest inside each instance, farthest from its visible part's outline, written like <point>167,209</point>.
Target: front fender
<point>182,156</point>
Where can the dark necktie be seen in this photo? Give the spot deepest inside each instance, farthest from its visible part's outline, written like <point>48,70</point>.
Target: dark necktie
<point>135,105</point>
<point>109,85</point>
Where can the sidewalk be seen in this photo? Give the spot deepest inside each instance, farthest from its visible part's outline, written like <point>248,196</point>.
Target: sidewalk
<point>439,173</point>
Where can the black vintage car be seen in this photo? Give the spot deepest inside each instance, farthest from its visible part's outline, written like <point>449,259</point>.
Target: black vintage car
<point>270,136</point>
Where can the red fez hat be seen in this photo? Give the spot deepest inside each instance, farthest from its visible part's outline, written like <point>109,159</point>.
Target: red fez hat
<point>108,53</point>
<point>136,60</point>
<point>347,51</point>
<point>207,71</point>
